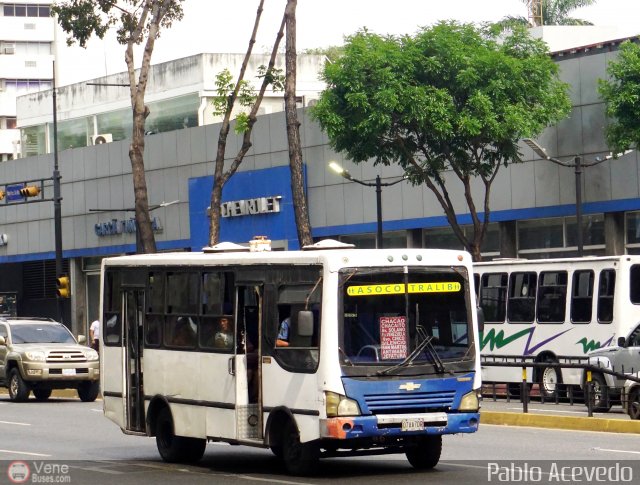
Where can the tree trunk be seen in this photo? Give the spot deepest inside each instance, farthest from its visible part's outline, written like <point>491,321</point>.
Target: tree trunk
<point>293,130</point>
<point>220,177</point>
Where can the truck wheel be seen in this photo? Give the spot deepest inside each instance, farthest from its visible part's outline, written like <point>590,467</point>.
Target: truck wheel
<point>600,394</point>
<point>18,389</point>
<point>176,449</point>
<point>426,454</point>
<point>42,394</point>
<point>88,391</point>
<point>634,404</point>
<point>299,458</point>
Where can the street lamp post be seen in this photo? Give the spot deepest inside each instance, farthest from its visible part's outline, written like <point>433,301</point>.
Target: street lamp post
<point>57,197</point>
<point>578,165</point>
<point>378,184</point>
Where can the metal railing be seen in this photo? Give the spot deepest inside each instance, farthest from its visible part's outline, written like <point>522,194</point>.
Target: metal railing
<point>596,396</point>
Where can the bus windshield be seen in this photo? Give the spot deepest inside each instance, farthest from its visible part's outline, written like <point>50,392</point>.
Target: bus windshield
<point>396,320</point>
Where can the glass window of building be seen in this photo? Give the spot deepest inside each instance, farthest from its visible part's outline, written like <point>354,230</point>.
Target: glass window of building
<point>395,239</point>
<point>34,141</point>
<point>118,124</point>
<point>444,238</point>
<point>556,237</point>
<point>173,114</point>
<point>632,232</point>
<point>73,133</point>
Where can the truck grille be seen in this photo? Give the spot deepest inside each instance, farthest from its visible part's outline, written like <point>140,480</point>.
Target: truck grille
<point>61,356</point>
<point>414,402</point>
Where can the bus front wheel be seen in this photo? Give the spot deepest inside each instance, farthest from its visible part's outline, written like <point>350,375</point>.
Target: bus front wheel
<point>299,458</point>
<point>426,454</point>
<point>176,449</point>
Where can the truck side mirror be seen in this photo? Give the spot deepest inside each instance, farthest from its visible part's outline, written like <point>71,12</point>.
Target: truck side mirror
<point>2,340</point>
<point>480,319</point>
<point>305,323</point>
<point>622,342</point>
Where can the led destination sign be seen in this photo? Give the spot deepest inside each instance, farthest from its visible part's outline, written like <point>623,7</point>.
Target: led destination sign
<point>399,288</point>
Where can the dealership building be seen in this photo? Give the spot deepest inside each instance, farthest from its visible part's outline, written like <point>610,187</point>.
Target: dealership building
<point>533,203</point>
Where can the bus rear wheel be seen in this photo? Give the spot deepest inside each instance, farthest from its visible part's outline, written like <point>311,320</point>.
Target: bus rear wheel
<point>550,381</point>
<point>299,458</point>
<point>426,454</point>
<point>176,449</point>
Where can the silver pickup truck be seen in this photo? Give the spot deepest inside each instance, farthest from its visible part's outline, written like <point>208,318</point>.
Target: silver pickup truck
<point>623,358</point>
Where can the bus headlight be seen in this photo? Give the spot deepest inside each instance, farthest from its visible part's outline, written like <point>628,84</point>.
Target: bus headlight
<point>35,355</point>
<point>339,405</point>
<point>469,402</point>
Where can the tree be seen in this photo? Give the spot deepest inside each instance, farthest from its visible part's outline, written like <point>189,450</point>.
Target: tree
<point>446,105</point>
<point>554,12</point>
<point>136,21</point>
<point>224,103</point>
<point>622,96</point>
<point>293,130</point>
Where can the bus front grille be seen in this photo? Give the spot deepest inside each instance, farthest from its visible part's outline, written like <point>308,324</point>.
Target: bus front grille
<point>413,402</point>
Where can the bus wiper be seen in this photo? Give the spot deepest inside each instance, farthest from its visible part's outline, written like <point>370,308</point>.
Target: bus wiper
<point>412,356</point>
<point>345,356</point>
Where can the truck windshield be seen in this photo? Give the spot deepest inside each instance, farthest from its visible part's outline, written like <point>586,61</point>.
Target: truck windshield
<point>40,334</point>
<point>395,320</point>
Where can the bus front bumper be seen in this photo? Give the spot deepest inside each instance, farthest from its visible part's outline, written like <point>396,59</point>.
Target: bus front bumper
<point>398,425</point>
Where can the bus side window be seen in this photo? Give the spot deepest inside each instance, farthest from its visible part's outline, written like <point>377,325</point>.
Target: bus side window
<point>521,307</point>
<point>634,284</point>
<point>552,297</point>
<point>606,290</point>
<point>582,296</point>
<point>493,297</point>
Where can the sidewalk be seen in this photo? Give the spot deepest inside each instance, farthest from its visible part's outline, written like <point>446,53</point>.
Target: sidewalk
<point>557,416</point>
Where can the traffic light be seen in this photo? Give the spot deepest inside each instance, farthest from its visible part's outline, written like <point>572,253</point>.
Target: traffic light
<point>64,287</point>
<point>29,191</point>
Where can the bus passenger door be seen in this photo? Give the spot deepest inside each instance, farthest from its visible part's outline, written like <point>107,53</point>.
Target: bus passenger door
<point>132,344</point>
<point>247,362</point>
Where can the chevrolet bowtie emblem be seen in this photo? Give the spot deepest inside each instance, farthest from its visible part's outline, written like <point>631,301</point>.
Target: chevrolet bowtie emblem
<point>410,386</point>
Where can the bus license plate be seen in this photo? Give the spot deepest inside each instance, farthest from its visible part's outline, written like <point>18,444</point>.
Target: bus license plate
<point>68,372</point>
<point>414,424</point>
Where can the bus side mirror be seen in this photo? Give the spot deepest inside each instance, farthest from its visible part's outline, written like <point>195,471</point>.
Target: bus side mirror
<point>305,323</point>
<point>480,319</point>
<point>622,342</point>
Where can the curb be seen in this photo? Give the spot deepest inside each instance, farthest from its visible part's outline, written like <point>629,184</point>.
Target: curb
<point>575,423</point>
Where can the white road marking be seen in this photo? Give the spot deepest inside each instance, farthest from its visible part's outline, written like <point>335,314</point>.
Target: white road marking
<point>13,422</point>
<point>618,451</point>
<point>97,410</point>
<point>14,452</point>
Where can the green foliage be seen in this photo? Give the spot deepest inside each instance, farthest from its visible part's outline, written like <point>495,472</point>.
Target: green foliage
<point>246,97</point>
<point>331,53</point>
<point>82,19</point>
<point>622,95</point>
<point>449,97</point>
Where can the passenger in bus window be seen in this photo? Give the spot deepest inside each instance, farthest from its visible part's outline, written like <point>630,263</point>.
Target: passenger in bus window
<point>283,333</point>
<point>184,335</point>
<point>224,335</point>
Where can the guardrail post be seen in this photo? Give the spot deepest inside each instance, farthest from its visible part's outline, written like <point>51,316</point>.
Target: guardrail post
<point>524,392</point>
<point>589,392</point>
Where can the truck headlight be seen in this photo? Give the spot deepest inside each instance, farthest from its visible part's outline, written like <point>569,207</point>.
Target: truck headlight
<point>339,405</point>
<point>469,402</point>
<point>91,354</point>
<point>35,355</point>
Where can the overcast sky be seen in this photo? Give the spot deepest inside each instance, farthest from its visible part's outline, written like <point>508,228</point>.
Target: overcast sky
<point>225,26</point>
